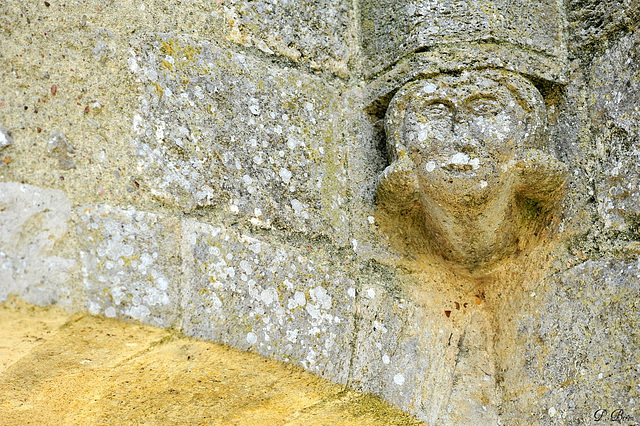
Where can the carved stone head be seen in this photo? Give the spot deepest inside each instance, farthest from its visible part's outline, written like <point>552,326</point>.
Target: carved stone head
<point>468,164</point>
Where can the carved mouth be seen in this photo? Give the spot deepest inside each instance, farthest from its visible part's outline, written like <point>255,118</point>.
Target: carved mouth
<point>459,162</point>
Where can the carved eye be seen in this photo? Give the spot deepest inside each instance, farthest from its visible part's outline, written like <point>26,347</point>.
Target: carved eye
<point>485,106</point>
<point>435,110</point>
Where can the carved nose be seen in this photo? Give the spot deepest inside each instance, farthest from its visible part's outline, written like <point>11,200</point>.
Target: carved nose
<point>463,141</point>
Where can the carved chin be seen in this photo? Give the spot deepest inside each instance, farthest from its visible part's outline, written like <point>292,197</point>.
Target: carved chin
<point>468,215</point>
<point>463,186</point>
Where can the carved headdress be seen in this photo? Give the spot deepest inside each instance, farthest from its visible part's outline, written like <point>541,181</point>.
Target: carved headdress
<point>413,39</point>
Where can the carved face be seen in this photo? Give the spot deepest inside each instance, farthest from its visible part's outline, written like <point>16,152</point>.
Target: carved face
<point>464,127</point>
<point>466,165</point>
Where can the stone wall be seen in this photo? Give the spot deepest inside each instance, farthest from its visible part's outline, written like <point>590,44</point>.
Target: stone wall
<point>211,166</point>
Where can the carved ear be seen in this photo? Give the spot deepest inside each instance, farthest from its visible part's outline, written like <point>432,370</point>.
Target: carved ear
<point>398,185</point>
<point>541,178</point>
<point>394,121</point>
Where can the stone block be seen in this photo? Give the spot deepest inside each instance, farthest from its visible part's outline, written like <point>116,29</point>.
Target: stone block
<point>292,302</point>
<point>392,30</point>
<point>221,130</point>
<point>573,347</point>
<point>590,22</point>
<point>131,263</point>
<point>33,226</point>
<point>437,365</point>
<point>615,118</point>
<point>317,34</point>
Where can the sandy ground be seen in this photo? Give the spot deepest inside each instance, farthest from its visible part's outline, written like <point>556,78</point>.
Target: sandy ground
<point>57,369</point>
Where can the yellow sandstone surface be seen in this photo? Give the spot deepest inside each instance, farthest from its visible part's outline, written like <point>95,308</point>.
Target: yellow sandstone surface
<point>57,368</point>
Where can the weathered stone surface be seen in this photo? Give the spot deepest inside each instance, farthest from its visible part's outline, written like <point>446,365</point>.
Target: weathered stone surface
<point>436,363</point>
<point>570,140</point>
<point>5,138</point>
<point>131,263</point>
<point>225,130</point>
<point>317,34</point>
<point>230,147</point>
<point>572,347</point>
<point>593,22</point>
<point>33,225</point>
<point>294,302</point>
<point>393,29</point>
<point>614,108</point>
<point>404,364</point>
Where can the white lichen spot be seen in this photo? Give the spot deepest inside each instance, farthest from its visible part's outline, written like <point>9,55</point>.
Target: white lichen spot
<point>216,303</point>
<point>379,326</point>
<point>292,143</point>
<point>552,412</point>
<point>292,335</point>
<point>351,292</point>
<point>253,106</point>
<point>160,131</point>
<point>269,295</point>
<point>320,295</point>
<point>483,184</point>
<point>247,180</point>
<point>137,124</point>
<point>252,339</point>
<point>460,158</point>
<point>285,175</point>
<point>133,64</point>
<point>288,284</point>
<point>311,357</point>
<point>312,311</point>
<point>430,166</point>
<point>198,92</point>
<point>423,134</point>
<point>246,267</point>
<point>151,74</point>
<point>110,312</point>
<point>297,206</point>
<point>429,88</point>
<point>371,293</point>
<point>398,379</point>
<point>300,298</point>
<point>371,220</point>
<point>385,359</point>
<point>139,312</point>
<point>94,308</point>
